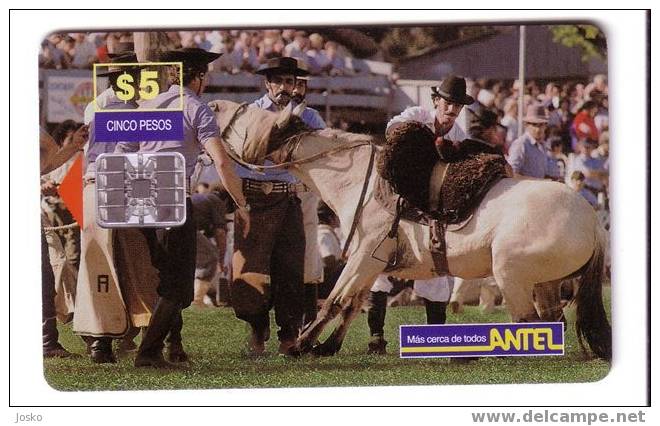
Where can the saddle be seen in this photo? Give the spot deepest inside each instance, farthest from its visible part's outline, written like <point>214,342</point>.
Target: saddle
<point>466,182</point>
<point>419,184</point>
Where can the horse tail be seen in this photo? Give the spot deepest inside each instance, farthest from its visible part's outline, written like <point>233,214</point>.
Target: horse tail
<point>591,323</point>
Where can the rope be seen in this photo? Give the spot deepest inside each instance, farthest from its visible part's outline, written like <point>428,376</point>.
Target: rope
<point>61,227</point>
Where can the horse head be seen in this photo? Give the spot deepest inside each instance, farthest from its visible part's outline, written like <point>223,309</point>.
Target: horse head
<point>253,133</point>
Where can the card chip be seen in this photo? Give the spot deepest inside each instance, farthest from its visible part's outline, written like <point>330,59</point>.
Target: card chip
<point>140,190</point>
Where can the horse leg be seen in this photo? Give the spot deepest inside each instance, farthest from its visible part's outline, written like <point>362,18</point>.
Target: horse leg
<point>357,277</point>
<point>519,299</point>
<point>312,332</point>
<point>547,298</point>
<point>333,343</point>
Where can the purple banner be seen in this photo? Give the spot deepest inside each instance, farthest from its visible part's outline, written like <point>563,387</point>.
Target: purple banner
<point>461,340</point>
<point>138,126</point>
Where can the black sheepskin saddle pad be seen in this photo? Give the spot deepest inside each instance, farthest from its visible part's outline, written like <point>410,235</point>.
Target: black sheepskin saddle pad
<point>407,162</point>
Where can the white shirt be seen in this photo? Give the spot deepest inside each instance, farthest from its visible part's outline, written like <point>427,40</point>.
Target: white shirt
<point>101,100</point>
<point>511,125</point>
<point>328,242</point>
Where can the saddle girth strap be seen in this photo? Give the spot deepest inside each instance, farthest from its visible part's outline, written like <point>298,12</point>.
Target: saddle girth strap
<point>438,247</point>
<point>397,218</point>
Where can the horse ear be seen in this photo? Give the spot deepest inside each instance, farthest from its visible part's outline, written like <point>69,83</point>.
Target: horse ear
<point>298,110</point>
<point>284,117</point>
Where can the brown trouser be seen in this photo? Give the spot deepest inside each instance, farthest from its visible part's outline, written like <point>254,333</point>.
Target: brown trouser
<point>268,264</point>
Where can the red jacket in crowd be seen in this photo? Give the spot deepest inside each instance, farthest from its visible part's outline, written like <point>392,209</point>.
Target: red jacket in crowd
<point>585,126</point>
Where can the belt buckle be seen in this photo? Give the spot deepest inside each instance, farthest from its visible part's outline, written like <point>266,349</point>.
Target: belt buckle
<point>267,187</point>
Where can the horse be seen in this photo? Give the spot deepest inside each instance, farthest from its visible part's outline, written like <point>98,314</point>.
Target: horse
<point>526,233</point>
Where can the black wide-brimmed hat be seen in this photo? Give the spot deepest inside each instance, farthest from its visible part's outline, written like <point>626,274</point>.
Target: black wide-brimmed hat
<point>120,48</point>
<point>189,55</point>
<point>122,58</point>
<point>482,118</point>
<point>453,89</point>
<point>283,65</point>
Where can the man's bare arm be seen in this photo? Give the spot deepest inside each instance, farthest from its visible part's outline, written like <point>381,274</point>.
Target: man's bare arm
<point>230,179</point>
<point>51,160</point>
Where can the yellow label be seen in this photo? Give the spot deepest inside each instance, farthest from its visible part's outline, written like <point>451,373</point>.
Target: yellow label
<point>145,87</point>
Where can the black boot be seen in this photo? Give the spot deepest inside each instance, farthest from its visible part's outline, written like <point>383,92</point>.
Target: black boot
<point>175,352</point>
<point>150,352</point>
<point>259,333</point>
<point>101,351</point>
<point>50,336</point>
<point>376,321</point>
<point>436,312</point>
<point>88,340</point>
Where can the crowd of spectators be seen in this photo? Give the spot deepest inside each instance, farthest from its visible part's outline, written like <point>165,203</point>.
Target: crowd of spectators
<point>243,51</point>
<point>571,106</point>
<point>577,133</point>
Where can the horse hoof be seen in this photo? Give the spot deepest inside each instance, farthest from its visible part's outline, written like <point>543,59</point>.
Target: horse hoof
<point>377,346</point>
<point>302,347</point>
<point>293,352</point>
<point>289,349</point>
<point>323,350</point>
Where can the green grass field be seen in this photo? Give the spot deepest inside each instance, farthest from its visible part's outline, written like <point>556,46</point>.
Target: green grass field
<point>215,340</point>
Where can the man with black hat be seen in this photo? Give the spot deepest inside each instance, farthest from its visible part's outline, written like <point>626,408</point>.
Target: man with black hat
<point>269,262</point>
<point>448,100</point>
<point>100,315</point>
<point>486,134</point>
<point>174,249</point>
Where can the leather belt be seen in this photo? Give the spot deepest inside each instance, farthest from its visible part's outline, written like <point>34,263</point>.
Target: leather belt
<point>273,187</point>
